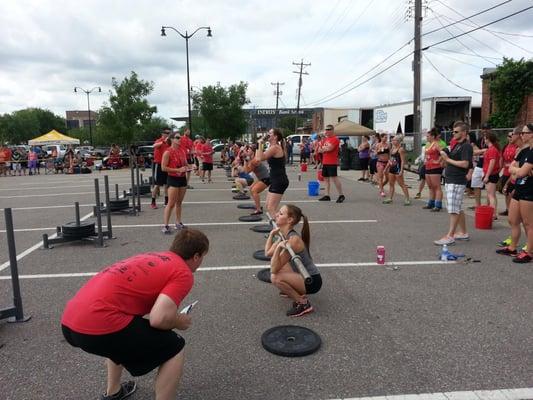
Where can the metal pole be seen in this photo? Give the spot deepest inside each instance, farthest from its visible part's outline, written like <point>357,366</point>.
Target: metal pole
<point>108,207</point>
<point>138,186</point>
<point>188,80</point>
<point>100,240</point>
<point>133,189</point>
<point>116,191</point>
<point>17,299</point>
<point>77,210</point>
<point>90,125</point>
<point>417,123</point>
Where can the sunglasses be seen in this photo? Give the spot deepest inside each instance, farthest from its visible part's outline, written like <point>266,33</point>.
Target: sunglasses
<point>456,131</point>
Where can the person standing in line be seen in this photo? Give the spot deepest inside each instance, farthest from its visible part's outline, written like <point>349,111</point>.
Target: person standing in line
<point>364,156</point>
<point>330,162</point>
<point>396,166</point>
<point>508,154</point>
<point>433,170</point>
<point>127,313</point>
<point>159,177</point>
<point>207,160</point>
<point>176,165</point>
<point>491,170</point>
<point>275,156</point>
<point>289,151</point>
<point>383,154</point>
<point>480,147</point>
<point>33,160</point>
<point>187,145</point>
<point>458,162</point>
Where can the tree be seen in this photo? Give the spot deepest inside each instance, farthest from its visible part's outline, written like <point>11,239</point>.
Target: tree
<point>23,125</point>
<point>512,81</point>
<point>221,110</point>
<point>128,114</point>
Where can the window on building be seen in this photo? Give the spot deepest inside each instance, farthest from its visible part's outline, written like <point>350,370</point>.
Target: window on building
<point>73,123</point>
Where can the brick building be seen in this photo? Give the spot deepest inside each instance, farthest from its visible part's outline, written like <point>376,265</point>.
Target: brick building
<point>79,119</point>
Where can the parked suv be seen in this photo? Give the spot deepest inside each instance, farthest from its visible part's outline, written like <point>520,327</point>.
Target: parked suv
<point>296,141</point>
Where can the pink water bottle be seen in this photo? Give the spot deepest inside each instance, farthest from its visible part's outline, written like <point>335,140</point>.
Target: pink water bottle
<point>380,255</point>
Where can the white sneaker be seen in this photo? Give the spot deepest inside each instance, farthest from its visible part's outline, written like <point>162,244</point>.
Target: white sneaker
<point>445,240</point>
<point>166,230</point>
<point>461,236</point>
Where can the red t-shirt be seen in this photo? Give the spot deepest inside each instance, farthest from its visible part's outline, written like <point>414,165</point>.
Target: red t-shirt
<point>197,144</point>
<point>331,157</point>
<point>159,151</point>
<point>128,288</point>
<point>508,156</point>
<point>186,143</point>
<point>176,159</point>
<point>492,153</point>
<point>207,153</point>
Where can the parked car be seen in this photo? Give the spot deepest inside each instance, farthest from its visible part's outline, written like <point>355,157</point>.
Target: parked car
<point>217,149</point>
<point>100,152</point>
<point>296,141</point>
<point>61,148</point>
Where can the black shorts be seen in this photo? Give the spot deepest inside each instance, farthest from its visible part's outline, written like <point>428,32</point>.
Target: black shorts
<point>266,181</point>
<point>196,161</point>
<point>315,285</point>
<point>373,166</point>
<point>138,347</point>
<point>160,177</point>
<point>329,171</point>
<point>363,162</point>
<point>190,159</point>
<point>278,186</point>
<point>434,171</point>
<point>494,178</point>
<point>421,172</point>
<point>176,181</point>
<point>510,188</point>
<point>207,166</point>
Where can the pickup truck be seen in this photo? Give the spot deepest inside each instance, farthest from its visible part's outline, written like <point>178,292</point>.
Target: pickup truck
<point>61,148</point>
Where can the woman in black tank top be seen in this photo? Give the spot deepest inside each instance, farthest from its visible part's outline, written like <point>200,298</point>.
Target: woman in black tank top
<point>283,274</point>
<point>276,158</point>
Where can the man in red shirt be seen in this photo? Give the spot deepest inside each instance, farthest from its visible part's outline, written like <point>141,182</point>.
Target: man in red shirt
<point>159,176</point>
<point>207,159</point>
<point>330,160</point>
<point>187,145</point>
<point>106,316</point>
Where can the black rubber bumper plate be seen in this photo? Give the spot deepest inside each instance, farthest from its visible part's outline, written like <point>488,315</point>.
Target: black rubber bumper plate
<point>246,206</point>
<point>290,341</point>
<point>241,197</point>
<point>264,275</point>
<point>250,218</point>
<point>260,255</point>
<point>265,228</point>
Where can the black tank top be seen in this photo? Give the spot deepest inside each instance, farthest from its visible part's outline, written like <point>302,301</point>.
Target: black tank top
<point>277,168</point>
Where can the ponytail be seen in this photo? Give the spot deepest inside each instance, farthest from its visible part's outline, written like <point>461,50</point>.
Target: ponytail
<point>306,236</point>
<point>296,213</point>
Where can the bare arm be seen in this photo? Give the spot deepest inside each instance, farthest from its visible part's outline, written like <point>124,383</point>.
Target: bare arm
<point>164,315</point>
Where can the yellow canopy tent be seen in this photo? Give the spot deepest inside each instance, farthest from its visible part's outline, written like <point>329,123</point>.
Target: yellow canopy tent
<point>349,128</point>
<point>53,137</point>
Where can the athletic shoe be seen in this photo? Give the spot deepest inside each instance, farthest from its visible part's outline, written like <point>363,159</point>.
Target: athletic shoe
<point>505,242</point>
<point>179,226</point>
<point>445,240</point>
<point>504,213</point>
<point>428,207</point>
<point>506,251</point>
<point>166,230</point>
<point>325,198</point>
<point>382,194</point>
<point>340,199</point>
<point>461,236</point>
<point>257,212</point>
<point>126,390</point>
<point>435,209</point>
<point>361,179</point>
<point>524,247</point>
<point>387,201</point>
<point>299,309</point>
<point>418,195</point>
<point>407,202</point>
<point>153,206</point>
<point>522,258</point>
<point>189,187</point>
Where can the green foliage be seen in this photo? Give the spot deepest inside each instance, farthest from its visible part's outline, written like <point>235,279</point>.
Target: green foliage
<point>128,115</point>
<point>23,125</point>
<point>221,111</point>
<point>512,81</point>
<point>289,122</point>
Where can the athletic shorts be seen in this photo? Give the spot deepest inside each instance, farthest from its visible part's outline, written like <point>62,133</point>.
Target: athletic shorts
<point>518,196</point>
<point>510,187</point>
<point>363,162</point>
<point>477,178</point>
<point>373,166</point>
<point>503,180</point>
<point>315,285</point>
<point>176,181</point>
<point>454,197</point>
<point>434,171</point>
<point>422,172</point>
<point>196,161</point>
<point>207,166</point>
<point>160,176</point>
<point>381,165</point>
<point>278,186</point>
<point>266,181</point>
<point>138,347</point>
<point>329,171</point>
<point>494,178</point>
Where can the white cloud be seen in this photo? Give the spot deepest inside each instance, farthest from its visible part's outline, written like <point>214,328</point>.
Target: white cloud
<point>51,46</point>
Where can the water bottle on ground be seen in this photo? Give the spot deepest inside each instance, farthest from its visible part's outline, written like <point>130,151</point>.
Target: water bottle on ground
<point>444,253</point>
<point>380,255</point>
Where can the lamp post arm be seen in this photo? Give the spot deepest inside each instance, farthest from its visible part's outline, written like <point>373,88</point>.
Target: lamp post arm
<point>200,28</point>
<point>94,88</point>
<point>178,32</point>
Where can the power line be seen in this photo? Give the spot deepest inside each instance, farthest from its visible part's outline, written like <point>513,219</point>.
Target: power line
<point>301,64</point>
<point>466,54</point>
<point>448,79</point>
<point>480,27</point>
<point>455,59</point>
<point>321,26</point>
<point>475,24</point>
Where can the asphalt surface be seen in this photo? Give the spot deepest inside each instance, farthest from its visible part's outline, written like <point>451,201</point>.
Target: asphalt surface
<point>419,327</point>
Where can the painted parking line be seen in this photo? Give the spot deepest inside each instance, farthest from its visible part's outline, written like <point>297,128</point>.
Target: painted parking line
<point>37,246</point>
<point>129,226</point>
<point>252,267</point>
<point>498,394</point>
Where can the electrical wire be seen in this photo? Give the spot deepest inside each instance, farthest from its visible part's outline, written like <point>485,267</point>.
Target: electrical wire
<point>466,54</point>
<point>332,10</point>
<point>455,59</point>
<point>448,79</point>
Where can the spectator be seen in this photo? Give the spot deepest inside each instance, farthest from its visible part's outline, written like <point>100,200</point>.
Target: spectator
<point>491,169</point>
<point>330,160</point>
<point>364,156</point>
<point>288,143</point>
<point>159,177</point>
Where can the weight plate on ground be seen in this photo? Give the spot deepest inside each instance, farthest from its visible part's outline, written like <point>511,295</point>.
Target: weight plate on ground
<point>264,275</point>
<point>290,341</point>
<point>241,197</point>
<point>250,218</point>
<point>246,206</point>
<point>119,204</point>
<point>70,229</point>
<point>265,228</point>
<point>260,255</point>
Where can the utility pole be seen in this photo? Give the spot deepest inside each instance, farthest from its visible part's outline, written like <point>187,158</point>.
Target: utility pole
<point>302,65</point>
<point>417,115</point>
<point>277,93</point>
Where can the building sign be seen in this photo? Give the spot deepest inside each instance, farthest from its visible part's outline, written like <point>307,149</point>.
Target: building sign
<point>281,111</point>
<point>380,116</point>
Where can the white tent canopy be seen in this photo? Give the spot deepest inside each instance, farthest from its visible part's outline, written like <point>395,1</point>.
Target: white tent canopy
<point>53,137</point>
<point>349,128</point>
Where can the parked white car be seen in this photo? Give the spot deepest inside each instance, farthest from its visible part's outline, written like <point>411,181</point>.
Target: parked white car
<point>61,149</point>
<point>296,141</point>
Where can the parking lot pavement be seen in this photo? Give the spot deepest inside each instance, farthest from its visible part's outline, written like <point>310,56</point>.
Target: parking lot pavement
<point>420,327</point>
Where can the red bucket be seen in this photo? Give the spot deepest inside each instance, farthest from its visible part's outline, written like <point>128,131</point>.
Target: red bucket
<point>319,176</point>
<point>483,217</point>
<point>303,167</point>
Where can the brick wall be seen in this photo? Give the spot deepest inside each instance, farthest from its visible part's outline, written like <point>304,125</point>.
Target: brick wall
<point>525,116</point>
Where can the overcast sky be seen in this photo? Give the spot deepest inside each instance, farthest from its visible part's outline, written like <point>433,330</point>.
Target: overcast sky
<point>48,47</point>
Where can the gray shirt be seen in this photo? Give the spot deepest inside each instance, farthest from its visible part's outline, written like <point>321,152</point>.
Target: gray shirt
<point>261,171</point>
<point>306,258</point>
<point>462,151</point>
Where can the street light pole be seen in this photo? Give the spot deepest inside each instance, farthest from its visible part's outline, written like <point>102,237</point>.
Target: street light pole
<point>186,36</point>
<point>88,92</point>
